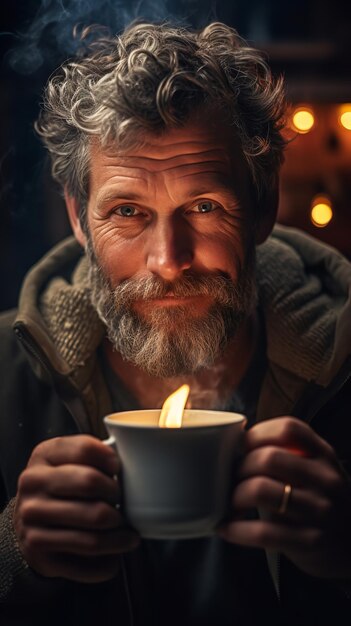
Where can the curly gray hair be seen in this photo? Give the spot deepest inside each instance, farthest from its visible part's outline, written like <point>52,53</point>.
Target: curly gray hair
<point>150,78</point>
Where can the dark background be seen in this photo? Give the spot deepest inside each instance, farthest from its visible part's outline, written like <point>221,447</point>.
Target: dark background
<point>310,42</point>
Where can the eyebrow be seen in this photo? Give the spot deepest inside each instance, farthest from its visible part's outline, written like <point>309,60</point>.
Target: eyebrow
<point>220,189</point>
<point>128,195</point>
<point>112,197</point>
<point>203,191</point>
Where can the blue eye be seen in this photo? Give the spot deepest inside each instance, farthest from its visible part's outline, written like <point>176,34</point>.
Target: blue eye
<point>206,207</point>
<point>126,211</point>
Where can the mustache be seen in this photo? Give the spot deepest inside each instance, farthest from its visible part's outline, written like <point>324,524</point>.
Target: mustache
<point>216,286</point>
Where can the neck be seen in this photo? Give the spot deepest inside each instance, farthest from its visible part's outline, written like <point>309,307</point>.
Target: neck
<point>209,388</point>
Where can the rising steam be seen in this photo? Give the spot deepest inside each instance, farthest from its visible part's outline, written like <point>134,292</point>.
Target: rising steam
<point>48,38</point>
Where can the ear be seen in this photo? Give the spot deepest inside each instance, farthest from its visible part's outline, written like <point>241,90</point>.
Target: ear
<point>72,207</point>
<point>267,212</point>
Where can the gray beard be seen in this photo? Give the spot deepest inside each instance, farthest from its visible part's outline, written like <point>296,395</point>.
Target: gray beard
<point>171,342</point>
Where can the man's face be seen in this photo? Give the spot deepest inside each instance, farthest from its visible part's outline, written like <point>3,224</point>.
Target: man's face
<point>171,246</point>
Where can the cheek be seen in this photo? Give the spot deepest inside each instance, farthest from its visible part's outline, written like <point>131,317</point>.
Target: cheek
<point>223,252</point>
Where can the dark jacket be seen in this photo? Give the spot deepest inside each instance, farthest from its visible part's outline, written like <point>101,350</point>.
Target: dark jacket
<point>52,385</point>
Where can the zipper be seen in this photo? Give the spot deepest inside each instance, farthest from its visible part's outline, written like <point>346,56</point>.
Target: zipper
<point>23,337</point>
<point>72,402</point>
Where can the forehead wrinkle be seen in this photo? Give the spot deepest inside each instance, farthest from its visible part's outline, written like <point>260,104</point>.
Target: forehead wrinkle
<point>211,173</point>
<point>111,191</point>
<point>159,149</point>
<point>187,142</point>
<point>145,177</point>
<point>155,163</point>
<point>196,167</point>
<point>120,173</point>
<point>216,181</point>
<point>215,188</point>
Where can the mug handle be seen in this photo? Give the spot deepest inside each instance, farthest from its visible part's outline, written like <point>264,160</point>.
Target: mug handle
<point>110,442</point>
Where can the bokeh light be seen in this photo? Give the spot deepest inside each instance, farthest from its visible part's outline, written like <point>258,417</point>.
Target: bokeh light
<point>302,120</point>
<point>345,116</point>
<point>321,211</point>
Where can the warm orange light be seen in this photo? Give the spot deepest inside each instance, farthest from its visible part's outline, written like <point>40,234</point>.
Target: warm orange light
<point>303,120</point>
<point>173,407</point>
<point>345,116</point>
<point>321,211</point>
<point>297,451</point>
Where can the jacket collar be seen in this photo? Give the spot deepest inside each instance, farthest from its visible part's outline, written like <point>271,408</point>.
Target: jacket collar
<point>304,292</point>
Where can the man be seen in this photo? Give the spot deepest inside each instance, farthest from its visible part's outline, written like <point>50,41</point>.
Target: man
<point>167,145</point>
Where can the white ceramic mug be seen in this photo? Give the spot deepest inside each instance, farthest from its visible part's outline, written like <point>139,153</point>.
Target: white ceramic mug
<point>176,482</point>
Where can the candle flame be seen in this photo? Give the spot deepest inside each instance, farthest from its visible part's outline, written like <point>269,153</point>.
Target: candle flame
<point>173,407</point>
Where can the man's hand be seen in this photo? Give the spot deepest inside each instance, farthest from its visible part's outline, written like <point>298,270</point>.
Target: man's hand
<point>65,517</point>
<point>314,532</point>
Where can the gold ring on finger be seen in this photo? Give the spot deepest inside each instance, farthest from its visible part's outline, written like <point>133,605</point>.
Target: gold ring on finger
<point>285,499</point>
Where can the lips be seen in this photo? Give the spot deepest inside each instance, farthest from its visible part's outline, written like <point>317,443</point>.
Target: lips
<point>170,299</point>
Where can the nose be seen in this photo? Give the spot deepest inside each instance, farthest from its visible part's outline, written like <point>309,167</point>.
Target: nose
<point>170,249</point>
